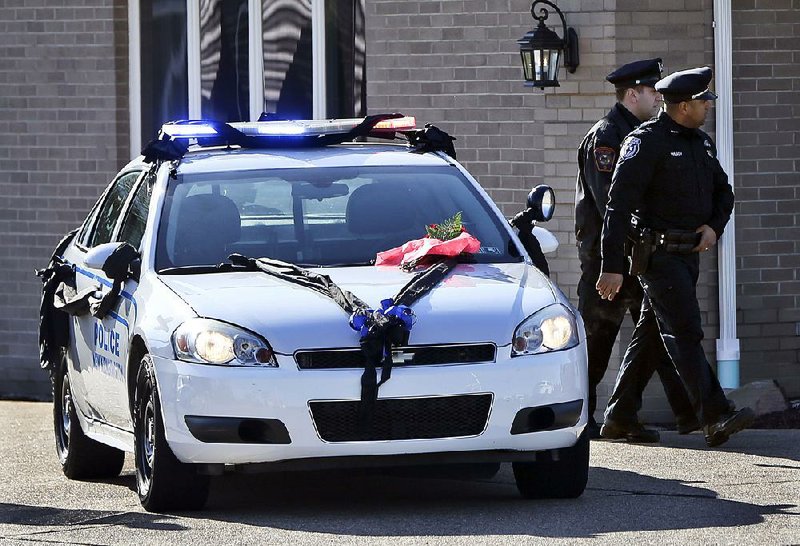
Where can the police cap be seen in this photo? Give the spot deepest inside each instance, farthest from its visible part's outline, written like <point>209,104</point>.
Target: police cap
<point>646,72</point>
<point>686,85</point>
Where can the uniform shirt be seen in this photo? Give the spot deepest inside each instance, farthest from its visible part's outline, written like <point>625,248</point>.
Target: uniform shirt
<point>671,174</point>
<point>597,155</point>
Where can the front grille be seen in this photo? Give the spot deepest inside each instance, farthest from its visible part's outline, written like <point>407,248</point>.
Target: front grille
<point>420,355</point>
<point>404,418</point>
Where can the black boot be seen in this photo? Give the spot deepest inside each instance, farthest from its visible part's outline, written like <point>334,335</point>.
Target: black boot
<point>634,433</point>
<point>730,423</point>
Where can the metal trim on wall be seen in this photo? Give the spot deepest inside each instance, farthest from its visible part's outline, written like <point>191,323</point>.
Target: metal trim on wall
<point>318,57</point>
<point>193,58</point>
<point>256,67</point>
<point>134,79</point>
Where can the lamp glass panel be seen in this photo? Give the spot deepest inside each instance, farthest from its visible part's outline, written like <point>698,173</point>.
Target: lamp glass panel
<point>527,64</point>
<point>537,64</point>
<point>552,66</point>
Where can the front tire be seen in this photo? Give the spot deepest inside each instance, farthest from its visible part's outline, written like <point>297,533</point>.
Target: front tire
<point>547,478</point>
<point>162,481</point>
<point>81,457</point>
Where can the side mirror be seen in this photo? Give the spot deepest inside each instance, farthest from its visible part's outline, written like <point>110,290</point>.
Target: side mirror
<point>98,255</point>
<point>119,261</point>
<point>542,201</point>
<point>547,240</point>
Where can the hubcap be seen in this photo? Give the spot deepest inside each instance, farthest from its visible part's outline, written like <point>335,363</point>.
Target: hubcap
<point>66,409</point>
<point>146,441</point>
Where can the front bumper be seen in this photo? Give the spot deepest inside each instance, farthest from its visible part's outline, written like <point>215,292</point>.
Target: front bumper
<point>209,394</point>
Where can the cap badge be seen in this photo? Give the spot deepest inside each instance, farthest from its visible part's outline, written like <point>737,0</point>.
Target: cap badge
<point>676,154</point>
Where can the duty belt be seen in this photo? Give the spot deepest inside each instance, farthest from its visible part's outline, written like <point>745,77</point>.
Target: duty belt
<point>679,241</point>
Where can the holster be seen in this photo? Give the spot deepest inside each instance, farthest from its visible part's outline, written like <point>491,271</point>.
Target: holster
<point>639,249</point>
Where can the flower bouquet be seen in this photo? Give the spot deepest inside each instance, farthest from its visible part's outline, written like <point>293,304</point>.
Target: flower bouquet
<point>446,239</point>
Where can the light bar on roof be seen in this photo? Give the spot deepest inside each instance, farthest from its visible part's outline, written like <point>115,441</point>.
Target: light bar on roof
<point>188,130</point>
<point>300,127</point>
<point>397,124</point>
<point>270,128</point>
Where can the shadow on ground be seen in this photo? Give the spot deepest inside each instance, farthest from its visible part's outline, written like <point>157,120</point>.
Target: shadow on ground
<point>47,516</point>
<point>770,443</point>
<point>363,505</point>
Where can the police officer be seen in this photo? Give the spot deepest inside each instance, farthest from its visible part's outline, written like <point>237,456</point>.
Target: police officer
<point>669,173</point>
<point>637,101</point>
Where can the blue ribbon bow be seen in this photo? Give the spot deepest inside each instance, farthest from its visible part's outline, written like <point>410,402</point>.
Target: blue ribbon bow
<point>363,319</point>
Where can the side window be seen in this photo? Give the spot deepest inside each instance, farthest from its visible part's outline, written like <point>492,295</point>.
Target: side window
<point>109,211</point>
<point>136,216</point>
<point>86,228</point>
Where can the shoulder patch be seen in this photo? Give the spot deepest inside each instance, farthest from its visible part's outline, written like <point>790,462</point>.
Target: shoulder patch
<point>604,159</point>
<point>629,148</point>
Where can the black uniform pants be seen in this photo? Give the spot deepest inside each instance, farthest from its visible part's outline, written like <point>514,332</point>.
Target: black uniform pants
<point>602,320</point>
<point>671,311</point>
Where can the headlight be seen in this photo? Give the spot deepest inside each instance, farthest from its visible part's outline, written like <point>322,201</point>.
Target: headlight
<point>550,329</point>
<point>207,341</point>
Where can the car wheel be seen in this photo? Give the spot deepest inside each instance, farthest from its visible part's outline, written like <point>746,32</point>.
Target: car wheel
<point>547,478</point>
<point>163,482</point>
<point>80,456</point>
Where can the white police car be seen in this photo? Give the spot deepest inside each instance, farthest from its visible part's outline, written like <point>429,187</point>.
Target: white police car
<point>161,345</point>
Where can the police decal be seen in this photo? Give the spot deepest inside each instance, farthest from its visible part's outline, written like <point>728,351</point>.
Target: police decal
<point>604,159</point>
<point>629,148</point>
<point>105,356</point>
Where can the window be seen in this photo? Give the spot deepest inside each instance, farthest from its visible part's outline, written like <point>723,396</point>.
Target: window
<point>136,217</point>
<point>164,88</point>
<point>345,58</point>
<point>224,60</point>
<point>231,60</point>
<point>324,216</point>
<point>288,73</point>
<point>109,211</point>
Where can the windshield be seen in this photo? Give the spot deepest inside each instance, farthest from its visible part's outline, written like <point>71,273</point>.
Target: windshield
<point>318,216</point>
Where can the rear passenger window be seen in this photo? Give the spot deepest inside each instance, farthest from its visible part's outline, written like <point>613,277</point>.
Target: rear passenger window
<point>136,217</point>
<point>109,211</point>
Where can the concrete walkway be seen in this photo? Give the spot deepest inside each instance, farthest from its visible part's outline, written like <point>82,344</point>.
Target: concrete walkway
<point>679,492</point>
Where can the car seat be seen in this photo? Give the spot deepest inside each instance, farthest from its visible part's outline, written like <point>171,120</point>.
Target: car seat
<point>207,224</point>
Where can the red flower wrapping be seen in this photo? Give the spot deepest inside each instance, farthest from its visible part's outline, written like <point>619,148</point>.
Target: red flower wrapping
<point>412,251</point>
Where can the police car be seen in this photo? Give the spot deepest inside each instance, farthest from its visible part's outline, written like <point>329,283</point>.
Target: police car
<point>220,310</point>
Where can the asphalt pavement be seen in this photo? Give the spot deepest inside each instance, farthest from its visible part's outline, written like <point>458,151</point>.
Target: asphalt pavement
<point>677,492</point>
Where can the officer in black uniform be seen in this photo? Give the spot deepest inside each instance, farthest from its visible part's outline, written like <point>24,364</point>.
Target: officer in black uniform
<point>637,101</point>
<point>668,173</point>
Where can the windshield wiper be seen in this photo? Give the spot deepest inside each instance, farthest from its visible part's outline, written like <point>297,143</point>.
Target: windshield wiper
<point>199,269</point>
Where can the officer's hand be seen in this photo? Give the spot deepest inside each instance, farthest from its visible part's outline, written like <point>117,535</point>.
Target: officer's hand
<point>707,239</point>
<point>608,285</point>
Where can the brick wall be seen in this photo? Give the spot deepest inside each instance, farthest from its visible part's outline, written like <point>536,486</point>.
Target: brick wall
<point>63,107</point>
<point>766,84</point>
<point>456,63</point>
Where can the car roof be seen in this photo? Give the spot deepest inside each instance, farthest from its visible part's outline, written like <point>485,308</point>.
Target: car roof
<point>205,160</point>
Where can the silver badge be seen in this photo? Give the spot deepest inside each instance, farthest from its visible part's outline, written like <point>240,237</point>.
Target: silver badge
<point>676,154</point>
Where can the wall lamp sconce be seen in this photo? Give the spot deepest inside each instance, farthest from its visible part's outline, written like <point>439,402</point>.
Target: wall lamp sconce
<point>541,49</point>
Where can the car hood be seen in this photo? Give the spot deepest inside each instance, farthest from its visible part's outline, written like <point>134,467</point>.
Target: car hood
<point>475,303</point>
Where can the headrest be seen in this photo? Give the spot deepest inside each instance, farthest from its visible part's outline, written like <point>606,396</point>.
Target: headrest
<point>212,216</point>
<point>380,208</point>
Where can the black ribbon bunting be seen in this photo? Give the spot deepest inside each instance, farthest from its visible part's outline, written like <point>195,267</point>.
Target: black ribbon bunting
<point>53,322</point>
<point>381,329</point>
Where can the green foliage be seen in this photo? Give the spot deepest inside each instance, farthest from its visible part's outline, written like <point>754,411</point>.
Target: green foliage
<point>446,230</point>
